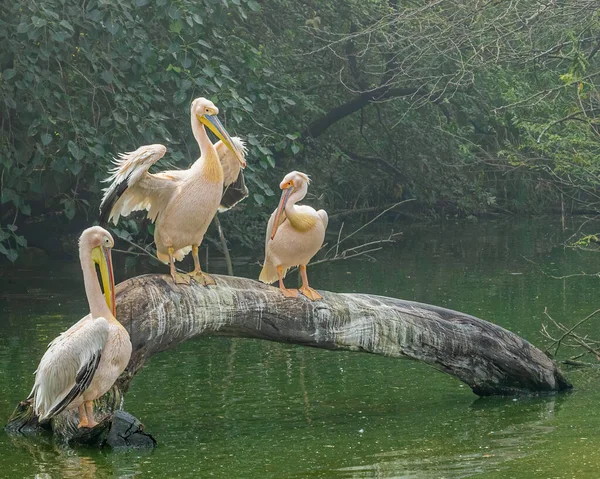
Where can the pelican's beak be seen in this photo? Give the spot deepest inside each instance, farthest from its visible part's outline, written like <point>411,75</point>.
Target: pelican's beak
<point>102,257</point>
<point>285,196</point>
<point>212,122</point>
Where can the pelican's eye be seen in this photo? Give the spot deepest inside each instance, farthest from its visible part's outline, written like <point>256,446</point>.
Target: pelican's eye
<point>106,241</point>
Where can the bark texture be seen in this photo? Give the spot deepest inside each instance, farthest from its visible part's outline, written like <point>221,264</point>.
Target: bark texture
<point>159,315</point>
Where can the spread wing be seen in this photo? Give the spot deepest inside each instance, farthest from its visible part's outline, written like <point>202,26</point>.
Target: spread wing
<point>234,186</point>
<point>68,366</point>
<point>132,188</point>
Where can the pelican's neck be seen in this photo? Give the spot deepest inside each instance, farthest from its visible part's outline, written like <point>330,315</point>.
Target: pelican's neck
<point>298,195</point>
<point>209,164</point>
<point>98,306</point>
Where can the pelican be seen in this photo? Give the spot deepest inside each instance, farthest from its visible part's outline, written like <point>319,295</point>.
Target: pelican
<point>83,363</point>
<point>294,235</point>
<point>181,202</point>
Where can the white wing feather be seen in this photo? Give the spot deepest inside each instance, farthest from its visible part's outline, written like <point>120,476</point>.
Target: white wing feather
<point>229,162</point>
<point>66,356</point>
<point>132,188</point>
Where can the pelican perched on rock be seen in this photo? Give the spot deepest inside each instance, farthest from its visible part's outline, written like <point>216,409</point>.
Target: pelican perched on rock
<point>83,363</point>
<point>181,202</point>
<point>294,235</point>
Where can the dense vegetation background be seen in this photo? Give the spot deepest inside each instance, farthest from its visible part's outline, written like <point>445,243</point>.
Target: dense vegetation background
<point>468,106</point>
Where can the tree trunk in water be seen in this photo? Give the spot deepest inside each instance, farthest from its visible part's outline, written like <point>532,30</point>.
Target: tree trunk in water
<point>159,315</point>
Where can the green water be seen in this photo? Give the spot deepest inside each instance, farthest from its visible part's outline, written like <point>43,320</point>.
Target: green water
<point>236,408</point>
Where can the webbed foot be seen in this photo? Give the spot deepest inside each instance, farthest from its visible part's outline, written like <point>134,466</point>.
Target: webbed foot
<point>203,278</point>
<point>310,293</point>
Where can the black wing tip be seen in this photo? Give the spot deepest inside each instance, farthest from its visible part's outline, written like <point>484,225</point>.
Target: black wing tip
<point>234,193</point>
<point>82,381</point>
<point>109,201</point>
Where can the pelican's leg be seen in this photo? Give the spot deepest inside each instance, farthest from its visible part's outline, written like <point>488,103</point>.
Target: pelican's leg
<point>178,278</point>
<point>89,408</point>
<point>305,289</point>
<point>202,278</point>
<point>83,419</point>
<point>288,293</point>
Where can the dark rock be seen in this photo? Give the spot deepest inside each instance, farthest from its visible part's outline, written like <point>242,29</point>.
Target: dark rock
<point>127,431</point>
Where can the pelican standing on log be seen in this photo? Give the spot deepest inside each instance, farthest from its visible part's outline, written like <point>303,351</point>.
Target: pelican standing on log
<point>181,202</point>
<point>294,235</point>
<point>84,362</point>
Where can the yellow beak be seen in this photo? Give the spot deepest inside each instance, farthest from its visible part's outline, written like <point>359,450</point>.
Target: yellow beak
<point>285,196</point>
<point>102,257</point>
<point>213,123</point>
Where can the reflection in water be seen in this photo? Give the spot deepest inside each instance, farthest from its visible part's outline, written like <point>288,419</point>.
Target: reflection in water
<point>52,460</point>
<point>502,437</point>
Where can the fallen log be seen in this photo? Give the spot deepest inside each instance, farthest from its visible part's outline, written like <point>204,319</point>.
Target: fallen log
<point>159,315</point>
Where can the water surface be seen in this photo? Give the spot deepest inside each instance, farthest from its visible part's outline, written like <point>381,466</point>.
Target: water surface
<point>229,408</point>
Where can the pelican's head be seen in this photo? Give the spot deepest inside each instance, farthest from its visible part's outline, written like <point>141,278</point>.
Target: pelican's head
<point>206,113</point>
<point>98,242</point>
<point>294,181</point>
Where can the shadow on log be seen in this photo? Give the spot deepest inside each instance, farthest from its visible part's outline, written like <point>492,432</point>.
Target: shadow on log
<point>159,315</point>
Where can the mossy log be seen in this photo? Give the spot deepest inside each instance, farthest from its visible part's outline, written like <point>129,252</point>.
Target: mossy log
<point>159,315</point>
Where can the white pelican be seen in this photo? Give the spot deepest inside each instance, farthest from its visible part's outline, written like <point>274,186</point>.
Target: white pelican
<point>181,202</point>
<point>83,363</point>
<point>294,235</point>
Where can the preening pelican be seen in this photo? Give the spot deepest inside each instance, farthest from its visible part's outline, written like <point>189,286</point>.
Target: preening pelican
<point>294,235</point>
<point>181,202</point>
<point>83,363</point>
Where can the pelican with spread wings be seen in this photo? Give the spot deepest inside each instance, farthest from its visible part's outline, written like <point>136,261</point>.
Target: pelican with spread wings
<point>295,233</point>
<point>83,363</point>
<point>182,203</point>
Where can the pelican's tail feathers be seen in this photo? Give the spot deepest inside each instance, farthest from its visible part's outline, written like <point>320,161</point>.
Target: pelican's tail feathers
<point>269,273</point>
<point>179,255</point>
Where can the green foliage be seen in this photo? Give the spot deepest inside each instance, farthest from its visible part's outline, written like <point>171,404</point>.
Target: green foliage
<point>496,121</point>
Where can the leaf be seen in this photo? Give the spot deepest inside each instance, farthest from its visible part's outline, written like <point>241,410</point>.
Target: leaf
<point>69,209</point>
<point>254,6</point>
<point>98,150</point>
<point>174,12</point>
<point>295,148</point>
<point>176,26</point>
<point>141,3</point>
<point>260,199</point>
<point>77,153</point>
<point>46,138</point>
<point>12,255</point>
<point>67,25</point>
<point>21,241</point>
<point>75,167</point>
<point>38,22</point>
<point>107,76</point>
<point>179,97</point>
<point>198,19</point>
<point>12,228</point>
<point>8,74</point>
<point>25,209</point>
